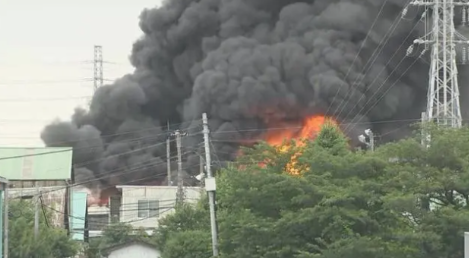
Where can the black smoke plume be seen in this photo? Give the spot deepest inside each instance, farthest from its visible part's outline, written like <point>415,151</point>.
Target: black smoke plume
<point>247,63</point>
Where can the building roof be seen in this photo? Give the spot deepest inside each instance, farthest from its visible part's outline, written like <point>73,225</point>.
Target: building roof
<point>31,164</point>
<point>109,250</point>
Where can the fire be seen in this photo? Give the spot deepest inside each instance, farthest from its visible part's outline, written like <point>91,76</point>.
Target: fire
<point>100,197</point>
<point>94,199</point>
<point>308,130</point>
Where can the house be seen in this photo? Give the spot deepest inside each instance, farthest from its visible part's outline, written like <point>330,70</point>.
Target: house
<point>143,206</point>
<point>140,206</point>
<point>132,249</point>
<point>42,171</point>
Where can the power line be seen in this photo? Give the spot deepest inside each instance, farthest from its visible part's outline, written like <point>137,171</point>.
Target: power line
<point>369,64</point>
<point>358,53</point>
<point>62,63</point>
<point>99,138</point>
<point>105,224</point>
<point>370,98</point>
<point>112,173</point>
<point>299,127</point>
<point>35,82</point>
<point>387,78</point>
<point>16,100</point>
<point>384,94</point>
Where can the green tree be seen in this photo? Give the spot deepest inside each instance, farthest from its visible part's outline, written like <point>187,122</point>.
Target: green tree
<point>404,200</point>
<point>336,205</point>
<point>119,233</point>
<point>434,182</point>
<point>116,234</point>
<point>52,242</point>
<point>185,234</point>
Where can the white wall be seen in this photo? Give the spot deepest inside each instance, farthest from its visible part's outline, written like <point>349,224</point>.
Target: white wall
<point>166,195</point>
<point>135,250</point>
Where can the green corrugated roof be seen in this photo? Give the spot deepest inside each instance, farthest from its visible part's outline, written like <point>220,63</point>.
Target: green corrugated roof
<point>50,163</point>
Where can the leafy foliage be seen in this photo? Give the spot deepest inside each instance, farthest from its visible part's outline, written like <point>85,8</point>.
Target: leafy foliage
<point>52,242</point>
<point>116,234</point>
<point>404,200</point>
<point>185,230</point>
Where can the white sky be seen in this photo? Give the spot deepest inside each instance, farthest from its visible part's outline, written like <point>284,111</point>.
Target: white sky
<point>43,47</point>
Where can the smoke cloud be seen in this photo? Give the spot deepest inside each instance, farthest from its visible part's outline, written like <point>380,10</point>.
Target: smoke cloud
<point>248,64</point>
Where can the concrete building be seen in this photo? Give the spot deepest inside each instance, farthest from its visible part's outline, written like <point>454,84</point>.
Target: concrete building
<point>140,206</point>
<point>143,206</point>
<point>132,249</point>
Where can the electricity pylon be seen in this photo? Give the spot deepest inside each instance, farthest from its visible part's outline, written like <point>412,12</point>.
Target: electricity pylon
<point>443,90</point>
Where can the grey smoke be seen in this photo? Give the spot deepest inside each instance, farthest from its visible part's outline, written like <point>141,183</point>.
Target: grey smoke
<point>248,64</point>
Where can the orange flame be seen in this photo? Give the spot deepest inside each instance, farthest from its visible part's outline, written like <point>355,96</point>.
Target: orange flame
<point>309,129</point>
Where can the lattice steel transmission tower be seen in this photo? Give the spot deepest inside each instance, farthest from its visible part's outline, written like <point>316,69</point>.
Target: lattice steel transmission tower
<point>443,89</point>
<point>98,67</point>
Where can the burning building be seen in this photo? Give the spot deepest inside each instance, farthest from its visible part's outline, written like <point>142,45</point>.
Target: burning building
<point>252,66</point>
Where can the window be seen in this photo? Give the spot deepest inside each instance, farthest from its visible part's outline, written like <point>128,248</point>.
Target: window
<point>148,208</point>
<point>97,221</point>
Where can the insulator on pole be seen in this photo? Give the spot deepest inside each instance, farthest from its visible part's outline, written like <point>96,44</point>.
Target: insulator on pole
<point>404,12</point>
<point>410,49</point>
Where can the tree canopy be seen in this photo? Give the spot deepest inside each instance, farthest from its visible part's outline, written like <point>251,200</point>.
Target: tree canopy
<point>51,243</point>
<point>403,200</point>
<point>115,234</point>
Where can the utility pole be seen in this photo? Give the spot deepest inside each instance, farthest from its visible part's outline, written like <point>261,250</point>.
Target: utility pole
<point>443,93</point>
<point>180,191</point>
<point>201,170</point>
<point>5,186</point>
<point>36,212</point>
<point>210,186</point>
<point>98,67</point>
<point>466,244</point>
<point>168,159</point>
<point>6,224</point>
